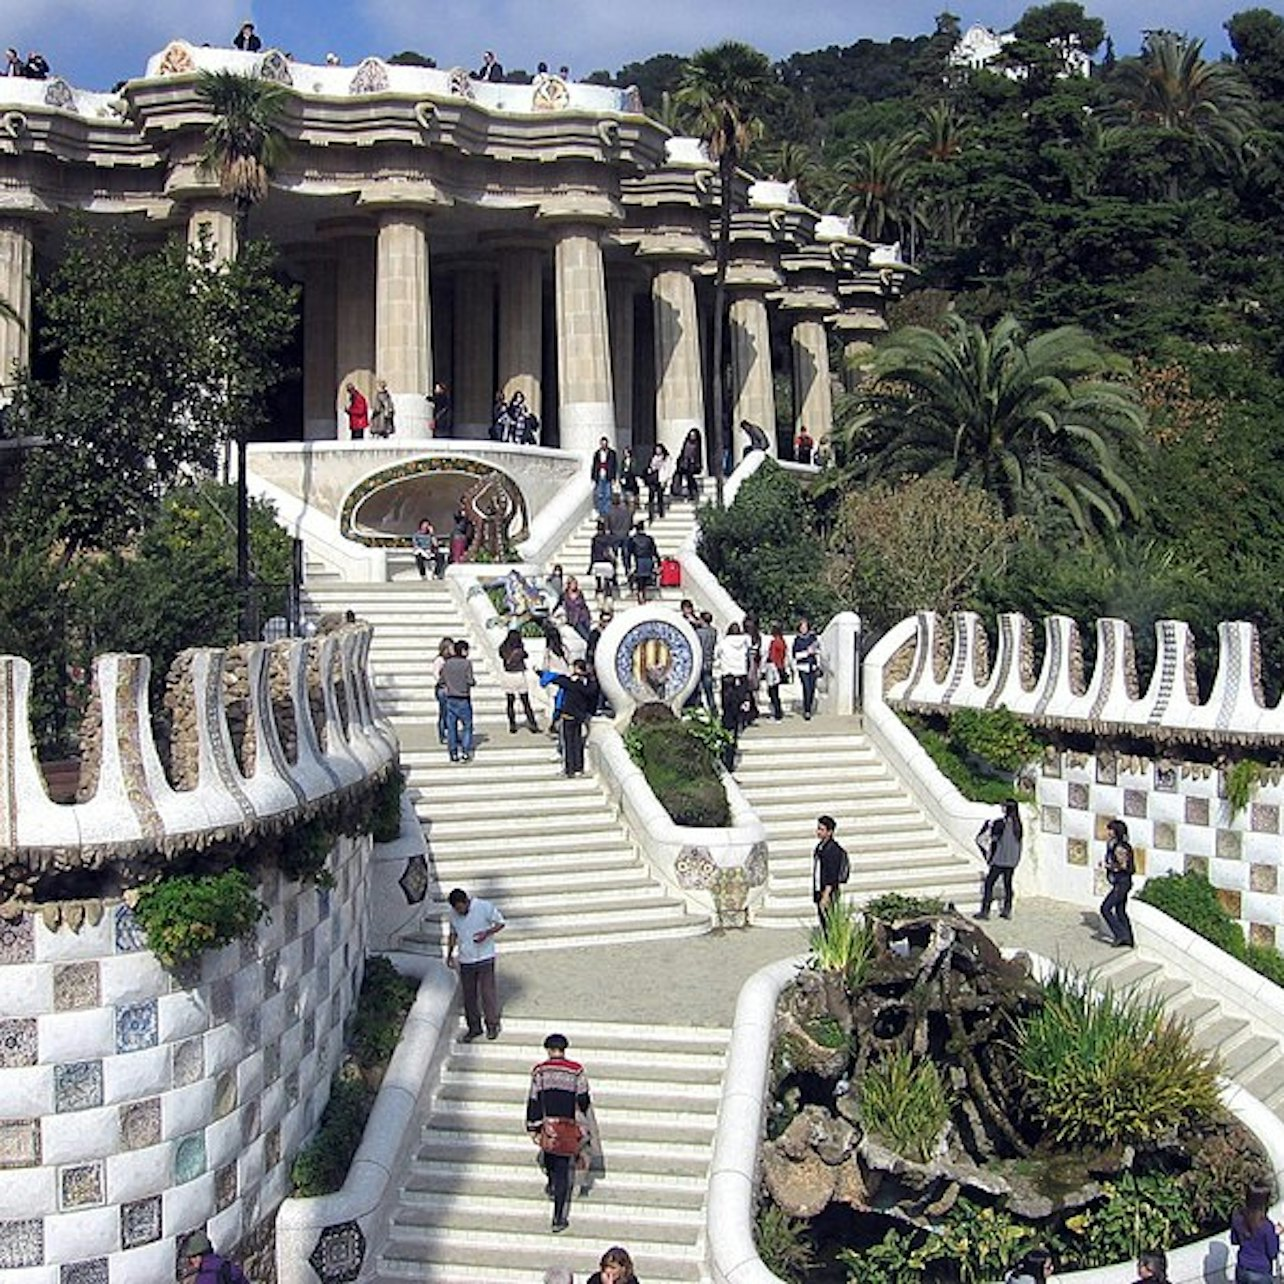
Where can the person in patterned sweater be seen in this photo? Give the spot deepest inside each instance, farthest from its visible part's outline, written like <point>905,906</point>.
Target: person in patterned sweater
<point>559,1091</point>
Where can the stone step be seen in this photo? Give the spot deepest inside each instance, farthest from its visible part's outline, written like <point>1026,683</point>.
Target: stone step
<point>593,837</point>
<point>602,927</point>
<point>509,1056</point>
<point>569,902</point>
<point>546,821</point>
<point>519,1218</point>
<point>1249,1056</point>
<point>466,1181</point>
<point>612,1098</point>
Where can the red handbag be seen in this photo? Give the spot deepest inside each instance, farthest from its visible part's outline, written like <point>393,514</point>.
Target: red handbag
<point>560,1137</point>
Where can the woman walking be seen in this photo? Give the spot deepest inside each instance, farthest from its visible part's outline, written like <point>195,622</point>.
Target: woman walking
<point>513,657</point>
<point>1120,865</point>
<point>578,614</point>
<point>1257,1238</point>
<point>807,662</point>
<point>776,669</point>
<point>1000,844</point>
<point>687,473</point>
<point>445,649</point>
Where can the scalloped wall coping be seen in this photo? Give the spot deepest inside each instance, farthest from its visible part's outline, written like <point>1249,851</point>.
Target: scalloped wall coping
<point>733,1257</point>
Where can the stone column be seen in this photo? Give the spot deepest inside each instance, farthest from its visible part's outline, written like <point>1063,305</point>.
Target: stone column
<point>474,390</point>
<point>320,377</point>
<point>15,290</point>
<point>587,401</point>
<point>679,388</point>
<point>753,394</point>
<point>855,354</point>
<point>813,400</point>
<point>214,216</point>
<point>354,344</point>
<point>621,290</point>
<point>521,324</point>
<point>403,318</point>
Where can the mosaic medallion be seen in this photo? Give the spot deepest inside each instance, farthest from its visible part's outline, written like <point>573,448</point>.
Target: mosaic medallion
<point>129,933</point>
<point>76,986</point>
<point>78,1085</point>
<point>414,879</point>
<point>339,1253</point>
<point>80,1186</point>
<point>189,1158</point>
<point>93,1271</point>
<point>136,1026</point>
<point>19,1143</point>
<point>140,1123</point>
<point>17,939</point>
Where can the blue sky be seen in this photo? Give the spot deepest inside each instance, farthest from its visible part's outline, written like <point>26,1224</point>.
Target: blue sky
<point>97,42</point>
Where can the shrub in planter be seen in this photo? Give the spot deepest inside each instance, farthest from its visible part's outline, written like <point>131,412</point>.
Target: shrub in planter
<point>186,915</point>
<point>1192,901</point>
<point>680,766</point>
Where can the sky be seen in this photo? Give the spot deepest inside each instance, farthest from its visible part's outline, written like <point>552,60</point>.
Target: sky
<point>94,43</point>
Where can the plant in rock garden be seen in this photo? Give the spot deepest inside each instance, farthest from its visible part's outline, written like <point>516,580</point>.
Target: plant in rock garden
<point>996,735</point>
<point>1135,1213</point>
<point>1192,900</point>
<point>844,944</point>
<point>893,907</point>
<point>782,1244</point>
<point>904,1104</point>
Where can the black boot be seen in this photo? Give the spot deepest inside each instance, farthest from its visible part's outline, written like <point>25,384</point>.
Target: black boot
<point>531,724</point>
<point>512,715</point>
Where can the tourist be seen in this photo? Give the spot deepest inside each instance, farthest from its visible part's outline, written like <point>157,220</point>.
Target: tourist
<point>657,478</point>
<point>358,412</point>
<point>383,418</point>
<point>491,68</point>
<point>13,63</point>
<point>458,678</point>
<point>36,68</point>
<point>604,618</point>
<point>1152,1266</point>
<point>445,650</point>
<point>578,705</point>
<point>775,670</point>
<point>500,424</point>
<point>630,478</point>
<point>578,614</point>
<point>708,636</point>
<point>602,558</point>
<point>804,444</point>
<point>200,1264</point>
<point>645,558</point>
<point>559,1092</point>
<point>332,60</point>
<point>1257,1237</point>
<point>461,533</point>
<point>564,72</point>
<point>554,584</point>
<point>443,410</point>
<point>474,924</point>
<point>689,466</point>
<point>754,675</point>
<point>731,663</point>
<point>555,661</point>
<point>513,680</point>
<point>619,522</point>
<point>1000,844</point>
<point>247,39</point>
<point>616,1267</point>
<point>428,554</point>
<point>1119,865</point>
<point>604,469</point>
<point>523,424</point>
<point>757,439</point>
<point>1033,1268</point>
<point>829,867</point>
<point>807,661</point>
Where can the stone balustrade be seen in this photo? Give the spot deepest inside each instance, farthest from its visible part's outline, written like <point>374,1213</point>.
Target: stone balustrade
<point>940,666</point>
<point>259,736</point>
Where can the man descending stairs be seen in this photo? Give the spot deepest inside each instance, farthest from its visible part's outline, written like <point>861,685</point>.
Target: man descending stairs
<point>473,1205</point>
<point>792,772</point>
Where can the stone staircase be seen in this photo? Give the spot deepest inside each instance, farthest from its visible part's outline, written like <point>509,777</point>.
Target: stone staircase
<point>472,1204</point>
<point>794,771</point>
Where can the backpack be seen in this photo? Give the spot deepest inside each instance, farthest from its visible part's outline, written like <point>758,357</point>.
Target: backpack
<point>844,865</point>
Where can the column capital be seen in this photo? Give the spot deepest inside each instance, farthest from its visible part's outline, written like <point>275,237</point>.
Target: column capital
<point>582,213</point>
<point>422,197</point>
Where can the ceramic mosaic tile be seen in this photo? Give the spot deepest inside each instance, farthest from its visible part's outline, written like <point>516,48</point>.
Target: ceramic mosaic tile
<point>1135,801</point>
<point>323,977</point>
<point>1263,878</point>
<point>1197,865</point>
<point>140,1222</point>
<point>1196,811</point>
<point>1107,769</point>
<point>272,1148</point>
<point>78,1085</point>
<point>129,933</point>
<point>1264,818</point>
<point>1230,901</point>
<point>1077,851</point>
<point>19,1143</point>
<point>136,1026</point>
<point>250,1120</point>
<point>18,1042</point>
<point>93,1271</point>
<point>336,1009</point>
<point>1050,820</point>
<point>1050,766</point>
<point>189,1158</point>
<point>184,976</point>
<point>1077,795</point>
<point>225,1187</point>
<point>1166,777</point>
<point>252,1028</point>
<point>1228,844</point>
<point>292,1088</point>
<point>76,986</point>
<point>17,939</point>
<point>291,918</point>
<point>22,1243</point>
<point>414,879</point>
<point>222,1000</point>
<point>309,1032</point>
<point>339,1253</point>
<point>225,1094</point>
<point>140,1123</point>
<point>80,1185</point>
<point>1165,836</point>
<point>187,1061</point>
<point>1261,934</point>
<point>249,950</point>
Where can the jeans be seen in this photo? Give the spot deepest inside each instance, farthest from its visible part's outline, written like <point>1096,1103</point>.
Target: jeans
<point>808,678</point>
<point>601,496</point>
<point>1245,1276</point>
<point>441,717</point>
<point>773,694</point>
<point>572,733</point>
<point>477,980</point>
<point>1114,912</point>
<point>992,877</point>
<point>706,690</point>
<point>459,727</point>
<point>559,1169</point>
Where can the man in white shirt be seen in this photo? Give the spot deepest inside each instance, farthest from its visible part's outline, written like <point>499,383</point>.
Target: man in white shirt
<point>474,924</point>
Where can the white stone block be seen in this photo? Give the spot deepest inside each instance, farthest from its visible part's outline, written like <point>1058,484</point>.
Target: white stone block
<point>250,1164</point>
<point>249,1076</point>
<point>27,1090</point>
<point>1262,849</point>
<point>187,1109</point>
<point>28,1192</point>
<point>223,1048</point>
<point>78,1135</point>
<point>27,990</point>
<point>89,1232</point>
<point>136,1174</point>
<point>188,1205</point>
<point>1261,907</point>
<point>77,1036</point>
<point>272,1018</point>
<point>129,978</point>
<point>223,1140</point>
<point>93,941</point>
<point>144,1265</point>
<point>1196,840</point>
<point>1229,874</point>
<point>136,1074</point>
<point>182,1015</point>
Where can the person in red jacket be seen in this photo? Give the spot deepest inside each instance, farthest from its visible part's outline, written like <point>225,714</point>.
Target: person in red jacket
<point>358,411</point>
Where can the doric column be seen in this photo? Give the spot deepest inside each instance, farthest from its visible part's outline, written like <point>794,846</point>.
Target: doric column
<point>213,217</point>
<point>586,410</point>
<point>354,344</point>
<point>15,290</point>
<point>752,389</point>
<point>813,401</point>
<point>474,391</point>
<point>403,317</point>
<point>621,290</point>
<point>521,323</point>
<point>679,389</point>
<point>320,317</point>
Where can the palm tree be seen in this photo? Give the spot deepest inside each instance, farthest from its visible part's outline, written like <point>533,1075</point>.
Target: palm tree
<point>1033,420</point>
<point>724,86</point>
<point>243,143</point>
<point>1171,87</point>
<point>791,162</point>
<point>876,189</point>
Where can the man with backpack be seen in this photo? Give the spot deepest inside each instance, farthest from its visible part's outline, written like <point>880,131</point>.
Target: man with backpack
<point>830,867</point>
<point>202,1265</point>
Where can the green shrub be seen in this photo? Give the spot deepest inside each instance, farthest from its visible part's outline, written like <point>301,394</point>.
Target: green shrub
<point>1267,960</point>
<point>322,1165</point>
<point>1242,779</point>
<point>186,915</point>
<point>681,768</point>
<point>305,851</point>
<point>1136,1213</point>
<point>1192,901</point>
<point>386,997</point>
<point>977,788</point>
<point>888,1262</point>
<point>782,1244</point>
<point>997,736</point>
<point>385,818</point>
<point>905,1104</point>
<point>1104,1064</point>
<point>892,907</point>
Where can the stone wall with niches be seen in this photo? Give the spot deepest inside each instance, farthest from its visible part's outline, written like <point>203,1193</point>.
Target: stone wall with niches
<point>1179,820</point>
<point>138,1104</point>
